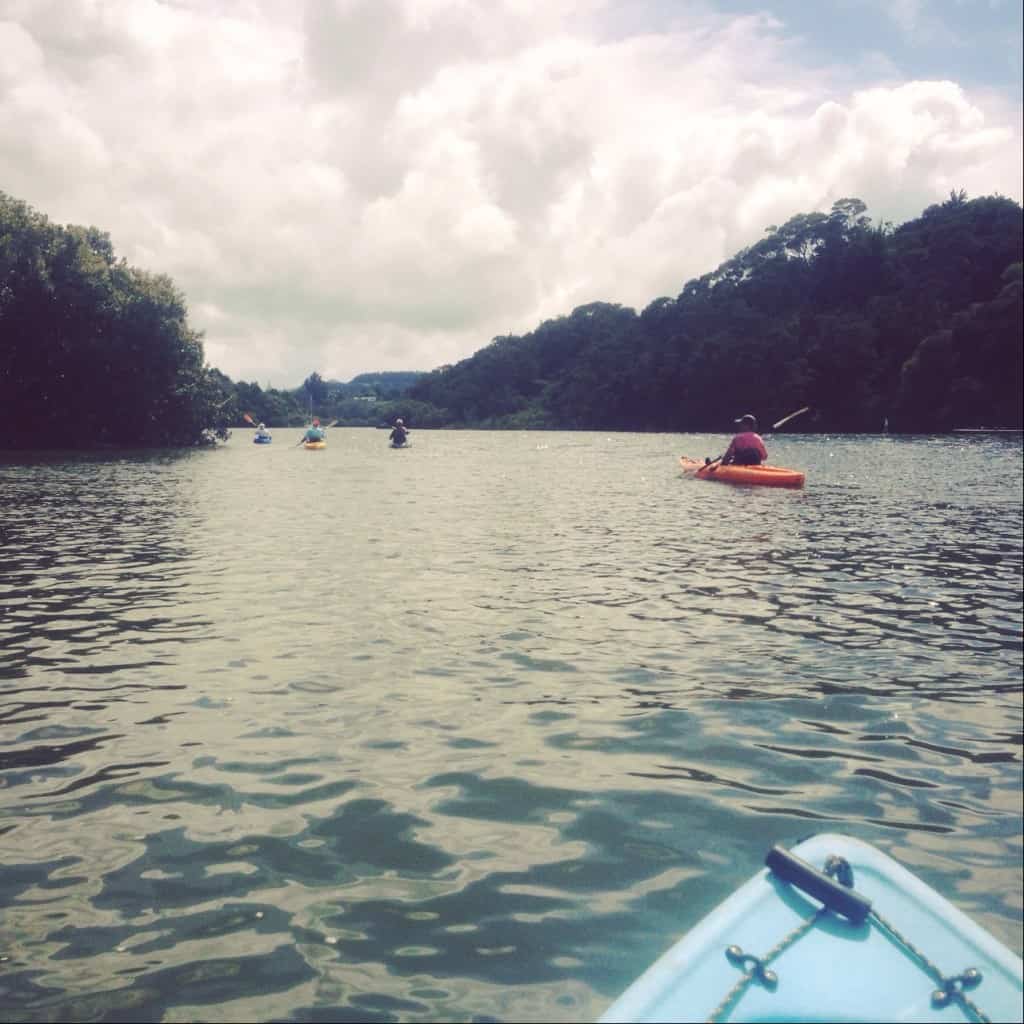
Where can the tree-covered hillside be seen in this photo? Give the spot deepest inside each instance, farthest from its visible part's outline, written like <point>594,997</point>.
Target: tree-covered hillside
<point>386,384</point>
<point>918,326</point>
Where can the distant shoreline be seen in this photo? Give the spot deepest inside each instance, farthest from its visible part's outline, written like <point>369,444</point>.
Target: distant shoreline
<point>111,449</point>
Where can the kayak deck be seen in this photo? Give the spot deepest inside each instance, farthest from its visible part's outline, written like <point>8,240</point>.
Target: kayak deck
<point>314,445</point>
<point>764,475</point>
<point>828,968</point>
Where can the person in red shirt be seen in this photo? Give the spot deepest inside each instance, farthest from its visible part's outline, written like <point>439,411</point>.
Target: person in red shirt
<point>746,448</point>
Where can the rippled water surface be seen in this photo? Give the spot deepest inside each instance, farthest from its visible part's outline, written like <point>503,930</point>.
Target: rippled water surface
<point>474,731</point>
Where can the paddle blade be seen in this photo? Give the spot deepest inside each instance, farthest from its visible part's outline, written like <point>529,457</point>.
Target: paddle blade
<point>248,418</point>
<point>791,416</point>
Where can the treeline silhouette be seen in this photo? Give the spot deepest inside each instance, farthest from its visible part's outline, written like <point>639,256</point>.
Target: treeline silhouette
<point>915,328</point>
<point>368,400</point>
<point>94,351</point>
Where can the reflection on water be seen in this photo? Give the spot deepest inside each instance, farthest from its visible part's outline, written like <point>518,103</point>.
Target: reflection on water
<point>474,731</point>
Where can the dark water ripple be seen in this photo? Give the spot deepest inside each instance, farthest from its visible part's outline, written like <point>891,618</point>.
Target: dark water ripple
<point>475,730</point>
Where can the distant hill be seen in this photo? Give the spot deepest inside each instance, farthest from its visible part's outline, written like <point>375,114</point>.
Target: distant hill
<point>386,384</point>
<point>369,399</point>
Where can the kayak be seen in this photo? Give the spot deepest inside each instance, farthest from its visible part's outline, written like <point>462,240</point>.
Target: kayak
<point>314,445</point>
<point>767,476</point>
<point>262,440</point>
<point>868,941</point>
<point>408,444</point>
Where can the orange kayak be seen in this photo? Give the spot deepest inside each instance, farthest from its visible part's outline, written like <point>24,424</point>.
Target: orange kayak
<point>767,476</point>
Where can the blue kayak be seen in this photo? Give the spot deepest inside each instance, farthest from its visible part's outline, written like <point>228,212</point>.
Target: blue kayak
<point>833,930</point>
<point>262,440</point>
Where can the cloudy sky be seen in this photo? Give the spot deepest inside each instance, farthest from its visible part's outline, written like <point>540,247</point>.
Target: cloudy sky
<point>359,185</point>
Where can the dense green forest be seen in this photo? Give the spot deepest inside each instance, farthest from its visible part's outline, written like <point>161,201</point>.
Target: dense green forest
<point>92,350</point>
<point>918,327</point>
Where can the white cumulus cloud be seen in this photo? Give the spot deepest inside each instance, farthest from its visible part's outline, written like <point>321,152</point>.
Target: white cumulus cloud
<point>361,185</point>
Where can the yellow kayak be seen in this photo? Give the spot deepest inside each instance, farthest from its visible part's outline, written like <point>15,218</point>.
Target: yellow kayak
<point>314,445</point>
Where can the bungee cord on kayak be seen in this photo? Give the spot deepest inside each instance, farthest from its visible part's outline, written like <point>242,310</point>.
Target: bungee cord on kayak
<point>840,960</point>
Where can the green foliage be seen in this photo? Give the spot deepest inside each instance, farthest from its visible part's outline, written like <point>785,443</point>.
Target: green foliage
<point>93,351</point>
<point>315,389</point>
<point>917,325</point>
<point>388,385</point>
<point>971,373</point>
<point>291,408</point>
<point>272,407</point>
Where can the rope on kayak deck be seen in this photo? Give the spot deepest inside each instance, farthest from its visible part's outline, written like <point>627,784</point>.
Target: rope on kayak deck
<point>757,966</point>
<point>950,989</point>
<point>857,910</point>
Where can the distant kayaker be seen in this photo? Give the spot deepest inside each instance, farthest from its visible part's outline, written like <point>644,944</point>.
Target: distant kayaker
<point>314,432</point>
<point>400,434</point>
<point>747,447</point>
<point>261,431</point>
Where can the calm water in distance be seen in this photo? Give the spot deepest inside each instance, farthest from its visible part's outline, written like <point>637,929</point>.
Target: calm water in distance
<point>475,730</point>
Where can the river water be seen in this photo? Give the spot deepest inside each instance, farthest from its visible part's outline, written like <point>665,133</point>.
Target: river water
<point>475,730</point>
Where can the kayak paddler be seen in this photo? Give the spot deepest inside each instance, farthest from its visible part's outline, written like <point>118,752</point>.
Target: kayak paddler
<point>314,433</point>
<point>747,447</point>
<point>399,434</point>
<point>261,431</point>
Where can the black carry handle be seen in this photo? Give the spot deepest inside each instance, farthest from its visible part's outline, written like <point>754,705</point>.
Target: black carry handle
<point>848,902</point>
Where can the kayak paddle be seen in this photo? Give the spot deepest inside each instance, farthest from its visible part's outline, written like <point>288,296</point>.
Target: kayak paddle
<point>791,416</point>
